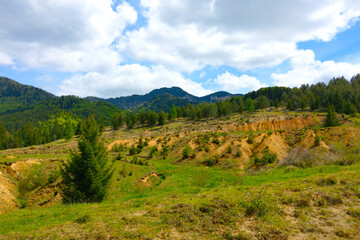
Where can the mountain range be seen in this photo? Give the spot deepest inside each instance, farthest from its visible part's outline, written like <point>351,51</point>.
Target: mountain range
<point>21,103</point>
<point>165,96</point>
<point>15,96</point>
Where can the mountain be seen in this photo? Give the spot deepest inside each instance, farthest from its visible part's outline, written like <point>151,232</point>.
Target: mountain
<point>136,101</point>
<point>21,104</point>
<point>16,97</point>
<point>163,102</point>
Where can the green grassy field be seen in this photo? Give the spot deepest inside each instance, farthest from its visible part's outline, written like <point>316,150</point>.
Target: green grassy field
<point>187,200</point>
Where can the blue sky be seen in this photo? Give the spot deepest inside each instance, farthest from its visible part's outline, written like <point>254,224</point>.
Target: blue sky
<point>118,48</point>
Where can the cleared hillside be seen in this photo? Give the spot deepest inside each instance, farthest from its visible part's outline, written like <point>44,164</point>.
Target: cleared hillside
<point>220,188</point>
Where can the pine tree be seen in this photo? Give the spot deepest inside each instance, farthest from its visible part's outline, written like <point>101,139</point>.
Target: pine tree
<point>289,106</point>
<point>117,121</point>
<point>162,118</point>
<point>86,176</point>
<point>331,119</point>
<point>173,113</point>
<point>69,130</point>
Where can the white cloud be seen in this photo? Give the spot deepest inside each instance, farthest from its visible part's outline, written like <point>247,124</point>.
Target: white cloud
<point>236,84</point>
<point>86,37</point>
<point>63,35</point>
<point>187,35</point>
<point>306,70</point>
<point>5,59</point>
<point>127,80</point>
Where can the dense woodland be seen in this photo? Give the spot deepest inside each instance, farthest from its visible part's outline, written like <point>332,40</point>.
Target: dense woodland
<point>47,118</point>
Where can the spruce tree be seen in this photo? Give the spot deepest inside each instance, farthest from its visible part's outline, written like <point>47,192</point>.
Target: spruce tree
<point>162,118</point>
<point>173,113</point>
<point>331,119</point>
<point>86,176</point>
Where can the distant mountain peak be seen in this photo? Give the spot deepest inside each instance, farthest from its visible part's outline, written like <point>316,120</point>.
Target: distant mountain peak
<point>135,101</point>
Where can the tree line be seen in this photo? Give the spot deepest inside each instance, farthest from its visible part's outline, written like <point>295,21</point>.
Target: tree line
<point>42,124</point>
<point>344,95</point>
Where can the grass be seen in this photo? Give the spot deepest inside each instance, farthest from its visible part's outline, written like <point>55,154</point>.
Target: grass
<point>193,201</point>
<point>212,187</point>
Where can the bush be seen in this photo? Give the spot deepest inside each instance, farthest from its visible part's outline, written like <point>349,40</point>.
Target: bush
<point>267,157</point>
<point>186,152</point>
<point>317,141</point>
<point>259,204</point>
<point>117,148</point>
<point>250,139</point>
<point>229,150</point>
<point>216,141</point>
<point>211,161</point>
<point>153,151</point>
<point>238,153</point>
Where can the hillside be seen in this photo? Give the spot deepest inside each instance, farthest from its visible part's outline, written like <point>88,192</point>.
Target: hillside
<point>137,101</point>
<point>15,96</point>
<point>163,102</point>
<point>211,179</point>
<point>30,116</point>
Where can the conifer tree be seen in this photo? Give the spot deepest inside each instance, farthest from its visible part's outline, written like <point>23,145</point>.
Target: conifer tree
<point>162,118</point>
<point>173,113</point>
<point>289,106</point>
<point>69,130</point>
<point>331,119</point>
<point>86,176</point>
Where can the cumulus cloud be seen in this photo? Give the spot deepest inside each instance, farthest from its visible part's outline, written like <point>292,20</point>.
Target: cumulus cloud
<point>236,84</point>
<point>63,35</point>
<point>187,35</point>
<point>127,80</point>
<point>306,70</point>
<point>178,36</point>
<point>5,59</point>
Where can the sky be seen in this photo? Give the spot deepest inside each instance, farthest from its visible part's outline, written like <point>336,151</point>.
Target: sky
<point>116,48</point>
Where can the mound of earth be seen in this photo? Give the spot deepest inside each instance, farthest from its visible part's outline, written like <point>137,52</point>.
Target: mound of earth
<point>17,168</point>
<point>7,194</point>
<point>278,124</point>
<point>276,144</point>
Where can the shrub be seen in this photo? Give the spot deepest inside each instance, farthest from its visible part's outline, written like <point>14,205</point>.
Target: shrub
<point>164,150</point>
<point>259,204</point>
<point>229,150</point>
<point>250,139</point>
<point>211,161</point>
<point>207,149</point>
<point>117,148</point>
<point>153,151</point>
<point>186,152</point>
<point>267,157</point>
<point>317,141</point>
<point>132,150</point>
<point>238,153</point>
